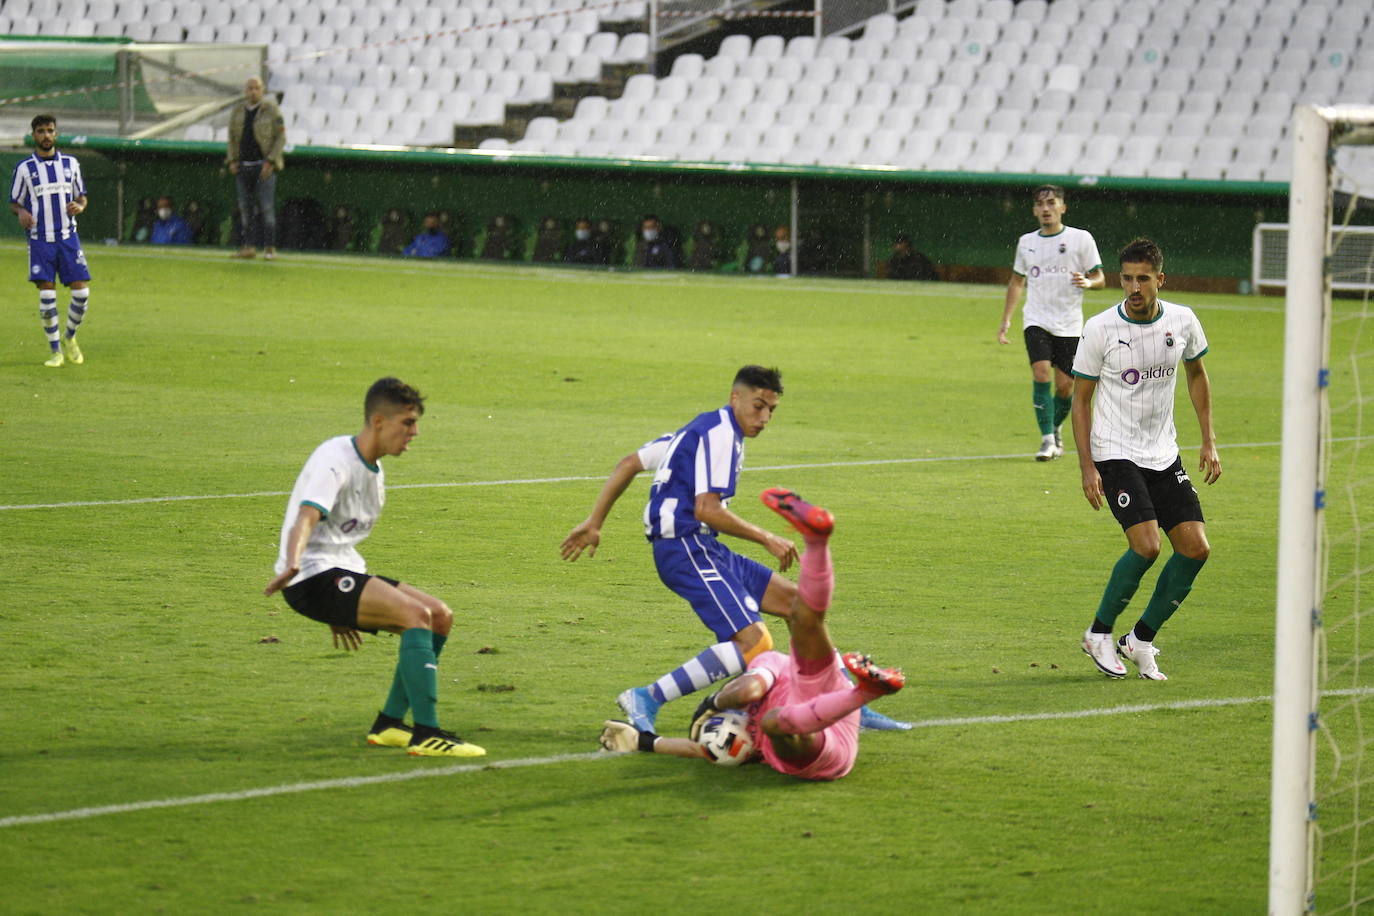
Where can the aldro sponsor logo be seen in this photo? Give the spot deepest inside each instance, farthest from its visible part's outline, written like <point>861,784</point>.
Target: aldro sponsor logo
<point>1037,270</point>
<point>1136,376</point>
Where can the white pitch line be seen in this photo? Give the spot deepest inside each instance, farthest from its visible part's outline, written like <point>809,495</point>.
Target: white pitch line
<point>525,481</point>
<point>76,814</point>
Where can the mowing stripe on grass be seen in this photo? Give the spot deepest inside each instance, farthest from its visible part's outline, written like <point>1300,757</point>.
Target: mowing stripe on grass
<point>76,814</point>
<point>143,500</point>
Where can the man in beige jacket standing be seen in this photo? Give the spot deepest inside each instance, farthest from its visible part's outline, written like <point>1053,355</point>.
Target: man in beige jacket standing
<point>257,138</point>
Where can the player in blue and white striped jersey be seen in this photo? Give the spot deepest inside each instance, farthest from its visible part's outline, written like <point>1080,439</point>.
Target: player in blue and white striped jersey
<point>695,472</point>
<point>46,194</point>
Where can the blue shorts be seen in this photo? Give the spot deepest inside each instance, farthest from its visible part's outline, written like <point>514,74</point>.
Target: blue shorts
<point>724,588</point>
<point>62,259</point>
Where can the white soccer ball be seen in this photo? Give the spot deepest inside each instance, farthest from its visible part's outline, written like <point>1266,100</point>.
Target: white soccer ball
<point>725,738</point>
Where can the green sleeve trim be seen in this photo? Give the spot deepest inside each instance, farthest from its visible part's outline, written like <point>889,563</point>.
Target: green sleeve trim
<point>1193,359</point>
<point>1095,267</point>
<point>1078,374</point>
<point>324,513</point>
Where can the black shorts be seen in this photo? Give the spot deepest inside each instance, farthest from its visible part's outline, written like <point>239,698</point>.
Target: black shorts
<point>1042,345</point>
<point>331,596</point>
<point>1139,494</point>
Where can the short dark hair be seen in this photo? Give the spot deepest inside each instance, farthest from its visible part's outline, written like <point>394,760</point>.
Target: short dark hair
<point>389,394</point>
<point>1053,190</point>
<point>39,120</point>
<point>1142,251</point>
<point>759,377</point>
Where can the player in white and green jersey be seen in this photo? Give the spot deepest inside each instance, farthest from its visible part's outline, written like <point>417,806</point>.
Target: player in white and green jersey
<point>334,505</point>
<point>1123,419</point>
<point>1053,265</point>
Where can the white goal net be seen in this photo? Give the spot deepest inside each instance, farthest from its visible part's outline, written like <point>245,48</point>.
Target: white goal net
<point>1322,819</point>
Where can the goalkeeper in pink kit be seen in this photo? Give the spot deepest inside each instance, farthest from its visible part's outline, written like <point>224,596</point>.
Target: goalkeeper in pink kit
<point>803,711</point>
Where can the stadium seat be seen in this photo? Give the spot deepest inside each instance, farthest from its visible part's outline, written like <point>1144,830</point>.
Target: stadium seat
<point>883,146</point>
<point>916,151</point>
<point>899,119</point>
<point>1099,153</point>
<point>846,148</point>
<point>736,46</point>
<point>1062,154</point>
<point>802,47</point>
<point>1007,122</point>
<point>989,150</point>
<point>951,151</point>
<point>632,49</point>
<point>834,47</point>
<point>769,47</point>
<point>687,66</point>
<point>1027,149</point>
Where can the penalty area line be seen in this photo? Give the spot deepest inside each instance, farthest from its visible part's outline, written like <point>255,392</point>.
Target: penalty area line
<point>76,814</point>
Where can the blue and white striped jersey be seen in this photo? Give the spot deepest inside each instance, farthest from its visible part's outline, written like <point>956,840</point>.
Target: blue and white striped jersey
<point>705,456</point>
<point>44,187</point>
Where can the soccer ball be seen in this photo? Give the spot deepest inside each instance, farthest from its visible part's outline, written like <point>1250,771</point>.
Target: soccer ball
<point>725,738</point>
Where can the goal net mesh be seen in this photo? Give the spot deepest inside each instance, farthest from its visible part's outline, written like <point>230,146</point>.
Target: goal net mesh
<point>1343,836</point>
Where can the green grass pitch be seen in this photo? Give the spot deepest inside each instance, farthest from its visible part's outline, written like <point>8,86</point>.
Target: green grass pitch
<point>133,664</point>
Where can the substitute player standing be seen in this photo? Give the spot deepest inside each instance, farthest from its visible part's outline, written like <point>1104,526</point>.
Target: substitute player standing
<point>46,194</point>
<point>333,506</point>
<point>1054,265</point>
<point>1129,357</point>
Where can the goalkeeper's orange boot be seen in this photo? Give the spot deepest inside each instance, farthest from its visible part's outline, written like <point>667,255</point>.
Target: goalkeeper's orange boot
<point>866,672</point>
<point>811,521</point>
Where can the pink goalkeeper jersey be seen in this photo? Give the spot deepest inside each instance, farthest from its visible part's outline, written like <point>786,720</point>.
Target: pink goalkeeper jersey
<point>791,687</point>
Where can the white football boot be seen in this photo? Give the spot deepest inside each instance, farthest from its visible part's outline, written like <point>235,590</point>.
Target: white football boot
<point>1100,649</point>
<point>1047,450</point>
<point>1143,654</point>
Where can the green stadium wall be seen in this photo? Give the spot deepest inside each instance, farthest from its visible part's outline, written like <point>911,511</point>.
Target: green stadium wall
<point>966,223</point>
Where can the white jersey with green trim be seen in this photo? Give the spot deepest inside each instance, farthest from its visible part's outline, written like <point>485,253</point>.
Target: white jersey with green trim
<point>349,492</point>
<point>1135,364</point>
<point>1048,262</point>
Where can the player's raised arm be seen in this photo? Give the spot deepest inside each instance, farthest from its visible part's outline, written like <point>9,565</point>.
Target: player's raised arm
<point>587,535</point>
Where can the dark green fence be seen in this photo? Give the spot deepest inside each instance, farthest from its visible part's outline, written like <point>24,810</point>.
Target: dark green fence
<point>966,223</point>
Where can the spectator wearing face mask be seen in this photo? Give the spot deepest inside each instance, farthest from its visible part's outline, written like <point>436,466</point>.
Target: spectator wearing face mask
<point>655,248</point>
<point>782,244</point>
<point>169,228</point>
<point>585,247</point>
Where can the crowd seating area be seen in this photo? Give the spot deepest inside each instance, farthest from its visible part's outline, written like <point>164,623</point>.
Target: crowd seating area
<point>353,72</point>
<point>1103,87</point>
<point>1170,89</point>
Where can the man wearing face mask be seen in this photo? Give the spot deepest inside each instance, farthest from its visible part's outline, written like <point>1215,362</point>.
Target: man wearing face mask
<point>782,243</point>
<point>585,247</point>
<point>654,249</point>
<point>169,229</point>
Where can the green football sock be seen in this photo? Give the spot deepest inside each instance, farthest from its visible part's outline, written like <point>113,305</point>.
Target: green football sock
<point>419,673</point>
<point>1121,586</point>
<point>1040,397</point>
<point>1175,582</point>
<point>1062,406</point>
<point>396,701</point>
